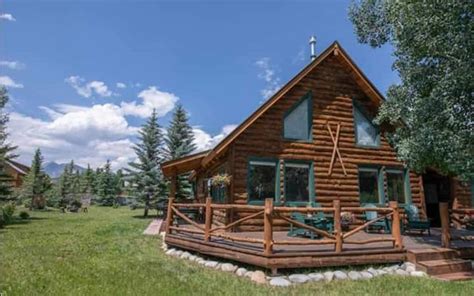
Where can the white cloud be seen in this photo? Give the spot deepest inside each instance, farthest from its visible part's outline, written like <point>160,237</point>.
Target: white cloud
<point>7,16</point>
<point>90,88</point>
<point>267,74</point>
<point>152,98</point>
<point>205,141</point>
<point>8,82</point>
<point>120,85</point>
<point>14,65</point>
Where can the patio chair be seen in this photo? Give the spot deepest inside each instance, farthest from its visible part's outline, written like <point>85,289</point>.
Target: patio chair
<point>318,220</point>
<point>414,221</point>
<point>371,215</point>
<point>299,231</point>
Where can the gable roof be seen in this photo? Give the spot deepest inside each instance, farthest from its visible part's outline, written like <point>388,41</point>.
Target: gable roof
<point>195,161</point>
<point>20,168</point>
<point>334,49</point>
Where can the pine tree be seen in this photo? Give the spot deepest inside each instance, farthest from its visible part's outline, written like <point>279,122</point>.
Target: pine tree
<point>65,185</point>
<point>179,143</point>
<point>36,183</point>
<point>87,181</point>
<point>106,191</point>
<point>146,172</point>
<point>6,150</point>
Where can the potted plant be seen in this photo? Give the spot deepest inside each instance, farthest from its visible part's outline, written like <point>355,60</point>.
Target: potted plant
<point>221,180</point>
<point>347,218</point>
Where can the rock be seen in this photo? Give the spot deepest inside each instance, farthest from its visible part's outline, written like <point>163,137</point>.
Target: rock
<point>259,277</point>
<point>328,276</point>
<point>418,273</point>
<point>410,269</point>
<point>178,253</point>
<point>381,272</point>
<point>354,275</point>
<point>228,267</point>
<point>280,282</point>
<point>211,264</point>
<point>373,271</point>
<point>241,271</point>
<point>339,275</point>
<point>185,255</point>
<point>192,258</point>
<point>170,252</point>
<point>366,275</point>
<point>299,278</point>
<point>248,274</point>
<point>316,277</point>
<point>201,261</point>
<point>401,272</point>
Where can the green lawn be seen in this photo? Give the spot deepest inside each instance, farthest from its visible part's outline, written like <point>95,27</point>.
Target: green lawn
<point>104,253</point>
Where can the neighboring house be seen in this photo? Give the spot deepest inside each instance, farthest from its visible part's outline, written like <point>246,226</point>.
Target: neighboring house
<point>17,171</point>
<point>314,141</point>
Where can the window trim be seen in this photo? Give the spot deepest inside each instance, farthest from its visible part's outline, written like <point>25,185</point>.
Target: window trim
<point>274,161</point>
<point>311,182</point>
<point>406,183</point>
<point>380,183</point>
<point>308,96</point>
<point>359,108</point>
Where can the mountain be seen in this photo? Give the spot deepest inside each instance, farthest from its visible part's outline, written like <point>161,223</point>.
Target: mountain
<point>54,170</point>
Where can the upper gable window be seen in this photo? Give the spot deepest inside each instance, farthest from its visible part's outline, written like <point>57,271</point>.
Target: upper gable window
<point>297,120</point>
<point>366,133</point>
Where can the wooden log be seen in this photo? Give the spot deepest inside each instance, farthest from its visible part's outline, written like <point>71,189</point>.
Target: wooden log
<point>169,215</point>
<point>361,227</point>
<point>301,242</point>
<point>185,229</point>
<point>240,221</point>
<point>267,227</point>
<point>189,205</point>
<point>369,241</point>
<point>337,226</point>
<point>302,225</point>
<point>396,231</point>
<point>302,210</point>
<point>444,216</point>
<point>185,218</point>
<point>208,220</point>
<point>238,239</point>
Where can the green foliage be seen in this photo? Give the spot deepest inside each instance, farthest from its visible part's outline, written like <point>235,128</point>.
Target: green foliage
<point>145,173</point>
<point>180,142</point>
<point>6,213</point>
<point>24,215</point>
<point>106,187</point>
<point>431,109</point>
<point>36,183</point>
<point>6,150</point>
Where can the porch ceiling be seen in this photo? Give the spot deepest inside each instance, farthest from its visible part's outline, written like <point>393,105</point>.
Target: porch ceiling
<point>183,165</point>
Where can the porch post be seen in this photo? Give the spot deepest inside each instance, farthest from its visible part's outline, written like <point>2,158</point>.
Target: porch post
<point>444,215</point>
<point>267,227</point>
<point>337,225</point>
<point>396,233</point>
<point>208,221</point>
<point>169,213</point>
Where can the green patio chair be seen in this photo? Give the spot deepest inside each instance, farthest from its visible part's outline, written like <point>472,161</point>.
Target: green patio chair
<point>299,231</point>
<point>318,220</point>
<point>371,215</point>
<point>414,221</point>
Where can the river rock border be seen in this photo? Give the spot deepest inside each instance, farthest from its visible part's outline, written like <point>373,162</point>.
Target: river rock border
<point>258,276</point>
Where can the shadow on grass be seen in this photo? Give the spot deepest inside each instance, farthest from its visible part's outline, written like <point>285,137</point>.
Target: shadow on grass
<point>148,217</point>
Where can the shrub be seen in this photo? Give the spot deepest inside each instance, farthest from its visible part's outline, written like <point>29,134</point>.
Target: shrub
<point>24,215</point>
<point>6,214</point>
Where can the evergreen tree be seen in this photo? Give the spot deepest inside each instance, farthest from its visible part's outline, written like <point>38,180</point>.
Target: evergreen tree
<point>36,183</point>
<point>6,150</point>
<point>87,181</point>
<point>431,109</point>
<point>106,189</point>
<point>65,185</point>
<point>180,142</point>
<point>146,172</point>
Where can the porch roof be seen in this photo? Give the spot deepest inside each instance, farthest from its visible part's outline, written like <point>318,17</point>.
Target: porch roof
<point>183,165</point>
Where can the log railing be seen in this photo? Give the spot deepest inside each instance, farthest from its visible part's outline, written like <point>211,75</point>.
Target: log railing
<point>453,215</point>
<point>269,213</point>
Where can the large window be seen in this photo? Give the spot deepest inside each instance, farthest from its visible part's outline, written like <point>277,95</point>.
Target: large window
<point>397,185</point>
<point>298,182</point>
<point>366,133</point>
<point>370,187</point>
<point>261,183</point>
<point>297,121</point>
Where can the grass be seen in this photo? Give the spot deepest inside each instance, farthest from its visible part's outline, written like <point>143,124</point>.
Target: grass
<point>104,253</point>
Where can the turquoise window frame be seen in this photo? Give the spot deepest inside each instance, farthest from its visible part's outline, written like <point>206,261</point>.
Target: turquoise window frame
<point>472,194</point>
<point>406,183</point>
<point>309,97</point>
<point>380,182</point>
<point>311,183</point>
<point>358,107</point>
<point>277,179</point>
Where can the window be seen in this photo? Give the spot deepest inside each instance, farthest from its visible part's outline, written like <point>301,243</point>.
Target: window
<point>298,182</point>
<point>366,133</point>
<point>396,186</point>
<point>297,121</point>
<point>370,186</point>
<point>218,194</point>
<point>261,183</point>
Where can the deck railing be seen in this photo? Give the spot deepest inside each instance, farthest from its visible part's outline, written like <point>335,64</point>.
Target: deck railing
<point>447,215</point>
<point>268,212</point>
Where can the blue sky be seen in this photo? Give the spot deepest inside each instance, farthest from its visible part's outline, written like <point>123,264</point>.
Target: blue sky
<point>83,75</point>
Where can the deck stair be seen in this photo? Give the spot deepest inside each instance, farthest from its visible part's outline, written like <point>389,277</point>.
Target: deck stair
<point>441,263</point>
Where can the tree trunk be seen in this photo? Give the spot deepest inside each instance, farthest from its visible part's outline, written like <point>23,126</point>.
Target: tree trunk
<point>147,206</point>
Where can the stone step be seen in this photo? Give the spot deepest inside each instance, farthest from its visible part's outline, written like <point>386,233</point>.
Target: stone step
<point>456,276</point>
<point>428,254</point>
<point>444,266</point>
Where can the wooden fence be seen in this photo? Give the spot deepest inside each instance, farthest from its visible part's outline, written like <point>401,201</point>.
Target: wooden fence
<point>269,213</point>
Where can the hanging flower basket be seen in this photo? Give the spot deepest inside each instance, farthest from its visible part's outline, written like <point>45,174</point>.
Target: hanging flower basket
<point>221,180</point>
<point>347,218</point>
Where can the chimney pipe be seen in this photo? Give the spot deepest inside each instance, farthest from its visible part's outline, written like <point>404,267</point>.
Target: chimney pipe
<point>312,44</point>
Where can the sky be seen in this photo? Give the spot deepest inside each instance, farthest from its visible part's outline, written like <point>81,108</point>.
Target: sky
<point>84,75</point>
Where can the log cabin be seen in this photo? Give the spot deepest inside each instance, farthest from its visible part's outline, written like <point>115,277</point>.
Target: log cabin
<point>314,141</point>
<point>16,171</point>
